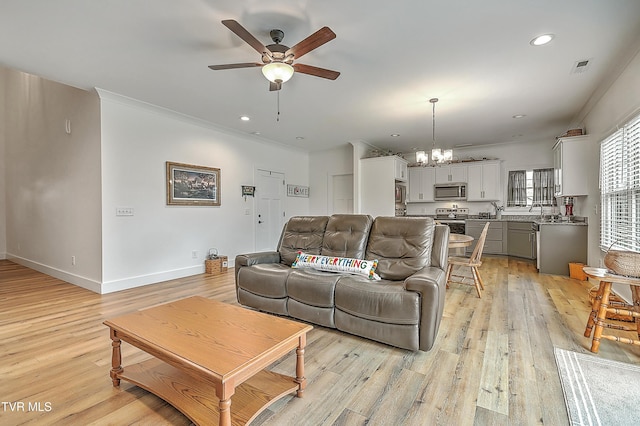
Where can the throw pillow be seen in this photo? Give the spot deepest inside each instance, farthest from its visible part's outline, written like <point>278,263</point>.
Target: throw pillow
<point>337,264</point>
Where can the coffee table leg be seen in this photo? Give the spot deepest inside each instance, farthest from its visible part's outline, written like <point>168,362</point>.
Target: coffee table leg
<point>116,358</point>
<point>300,379</point>
<point>224,392</point>
<point>225,412</point>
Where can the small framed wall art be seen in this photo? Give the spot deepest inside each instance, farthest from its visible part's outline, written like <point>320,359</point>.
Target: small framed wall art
<point>297,191</point>
<point>189,185</point>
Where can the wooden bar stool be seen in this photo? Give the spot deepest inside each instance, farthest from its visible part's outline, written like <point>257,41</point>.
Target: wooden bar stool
<point>600,308</point>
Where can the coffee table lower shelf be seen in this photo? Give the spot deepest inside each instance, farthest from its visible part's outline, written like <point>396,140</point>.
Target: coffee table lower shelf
<point>196,398</point>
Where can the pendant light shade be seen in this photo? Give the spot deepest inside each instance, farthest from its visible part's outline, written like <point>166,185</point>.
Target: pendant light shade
<point>277,72</point>
<point>438,155</point>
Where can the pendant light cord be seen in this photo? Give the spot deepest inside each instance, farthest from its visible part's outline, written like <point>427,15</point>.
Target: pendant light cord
<point>433,125</point>
<point>278,115</point>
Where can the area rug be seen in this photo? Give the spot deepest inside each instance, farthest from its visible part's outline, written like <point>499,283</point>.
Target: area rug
<point>598,391</point>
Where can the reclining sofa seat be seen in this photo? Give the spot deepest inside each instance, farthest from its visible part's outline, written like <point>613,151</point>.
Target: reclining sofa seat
<point>403,309</point>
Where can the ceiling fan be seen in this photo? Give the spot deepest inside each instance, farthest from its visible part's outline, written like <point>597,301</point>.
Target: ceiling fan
<point>277,59</point>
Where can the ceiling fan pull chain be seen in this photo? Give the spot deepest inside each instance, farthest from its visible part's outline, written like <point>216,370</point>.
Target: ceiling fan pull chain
<point>278,115</point>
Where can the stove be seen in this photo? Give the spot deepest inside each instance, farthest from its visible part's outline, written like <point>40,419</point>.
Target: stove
<point>453,217</point>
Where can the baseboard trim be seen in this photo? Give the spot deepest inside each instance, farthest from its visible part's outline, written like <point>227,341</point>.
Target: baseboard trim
<point>142,280</point>
<point>108,286</point>
<point>80,281</point>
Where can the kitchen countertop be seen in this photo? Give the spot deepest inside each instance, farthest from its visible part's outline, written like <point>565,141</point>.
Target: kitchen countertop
<point>578,221</point>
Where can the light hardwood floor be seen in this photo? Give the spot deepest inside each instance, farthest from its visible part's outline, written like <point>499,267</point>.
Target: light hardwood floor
<point>492,364</point>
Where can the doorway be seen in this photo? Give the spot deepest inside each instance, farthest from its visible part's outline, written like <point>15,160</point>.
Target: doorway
<point>270,211</point>
<point>341,196</point>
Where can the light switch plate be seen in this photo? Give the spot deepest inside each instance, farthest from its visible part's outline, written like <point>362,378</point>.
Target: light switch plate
<point>124,211</point>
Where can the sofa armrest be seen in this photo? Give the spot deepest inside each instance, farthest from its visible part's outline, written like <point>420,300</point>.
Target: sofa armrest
<point>430,282</point>
<point>440,249</point>
<point>243,260</point>
<point>256,258</point>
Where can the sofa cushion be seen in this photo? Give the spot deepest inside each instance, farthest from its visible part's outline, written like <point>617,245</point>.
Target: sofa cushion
<point>346,235</point>
<point>265,304</point>
<point>302,233</point>
<point>363,267</point>
<point>265,279</point>
<point>383,301</point>
<point>311,287</point>
<point>402,245</point>
<point>399,335</point>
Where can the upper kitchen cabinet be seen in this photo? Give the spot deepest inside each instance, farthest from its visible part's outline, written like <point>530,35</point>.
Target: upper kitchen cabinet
<point>570,158</point>
<point>378,184</point>
<point>483,181</point>
<point>421,180</point>
<point>451,173</point>
<point>400,165</point>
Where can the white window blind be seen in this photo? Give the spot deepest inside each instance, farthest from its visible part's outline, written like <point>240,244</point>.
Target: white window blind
<point>620,188</point>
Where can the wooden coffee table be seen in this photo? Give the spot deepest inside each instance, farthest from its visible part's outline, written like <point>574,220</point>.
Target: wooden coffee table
<point>210,358</point>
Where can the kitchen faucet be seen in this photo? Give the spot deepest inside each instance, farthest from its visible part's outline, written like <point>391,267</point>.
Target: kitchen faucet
<point>533,205</point>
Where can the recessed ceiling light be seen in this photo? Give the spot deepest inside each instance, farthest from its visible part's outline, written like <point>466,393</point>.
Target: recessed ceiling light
<point>518,116</point>
<point>299,138</point>
<point>244,118</point>
<point>255,133</point>
<point>541,40</point>
<point>395,135</point>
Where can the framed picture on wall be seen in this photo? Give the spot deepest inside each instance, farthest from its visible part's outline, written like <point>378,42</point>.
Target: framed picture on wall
<point>189,185</point>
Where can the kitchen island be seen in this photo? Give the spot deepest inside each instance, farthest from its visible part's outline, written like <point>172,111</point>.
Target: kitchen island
<point>561,243</point>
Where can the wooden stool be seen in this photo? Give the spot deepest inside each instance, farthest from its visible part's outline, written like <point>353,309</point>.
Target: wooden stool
<point>600,308</point>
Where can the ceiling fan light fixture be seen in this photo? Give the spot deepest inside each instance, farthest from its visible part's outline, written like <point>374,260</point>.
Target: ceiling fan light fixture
<point>277,72</point>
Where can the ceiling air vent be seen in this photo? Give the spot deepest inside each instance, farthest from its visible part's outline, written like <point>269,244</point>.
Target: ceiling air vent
<point>580,66</point>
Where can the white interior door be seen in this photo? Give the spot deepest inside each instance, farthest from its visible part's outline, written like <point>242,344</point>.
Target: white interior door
<point>270,211</point>
<point>342,194</point>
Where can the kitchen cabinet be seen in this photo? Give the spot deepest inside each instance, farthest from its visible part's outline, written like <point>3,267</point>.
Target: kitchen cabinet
<point>421,180</point>
<point>521,237</point>
<point>496,240</point>
<point>451,173</point>
<point>561,244</point>
<point>378,184</point>
<point>483,181</point>
<point>570,159</point>
<point>401,173</point>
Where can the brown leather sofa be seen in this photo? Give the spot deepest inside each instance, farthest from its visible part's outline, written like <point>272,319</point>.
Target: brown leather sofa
<point>403,309</point>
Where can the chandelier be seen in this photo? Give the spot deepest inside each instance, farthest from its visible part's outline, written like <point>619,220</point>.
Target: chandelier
<point>438,155</point>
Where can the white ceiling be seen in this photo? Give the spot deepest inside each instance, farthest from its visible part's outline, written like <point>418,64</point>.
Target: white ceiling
<point>393,56</point>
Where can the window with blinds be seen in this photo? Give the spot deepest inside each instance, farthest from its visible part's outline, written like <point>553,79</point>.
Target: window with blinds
<point>620,188</point>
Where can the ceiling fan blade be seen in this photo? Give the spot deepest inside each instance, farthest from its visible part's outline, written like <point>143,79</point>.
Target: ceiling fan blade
<point>274,86</point>
<point>231,66</point>
<point>315,40</point>
<point>245,35</point>
<point>315,71</point>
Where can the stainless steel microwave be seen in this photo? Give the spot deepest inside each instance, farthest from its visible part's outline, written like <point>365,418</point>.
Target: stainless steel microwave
<point>450,191</point>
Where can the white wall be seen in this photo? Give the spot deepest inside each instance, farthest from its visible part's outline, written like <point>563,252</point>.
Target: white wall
<point>3,201</point>
<point>323,166</point>
<point>619,103</point>
<point>156,243</point>
<point>52,187</point>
